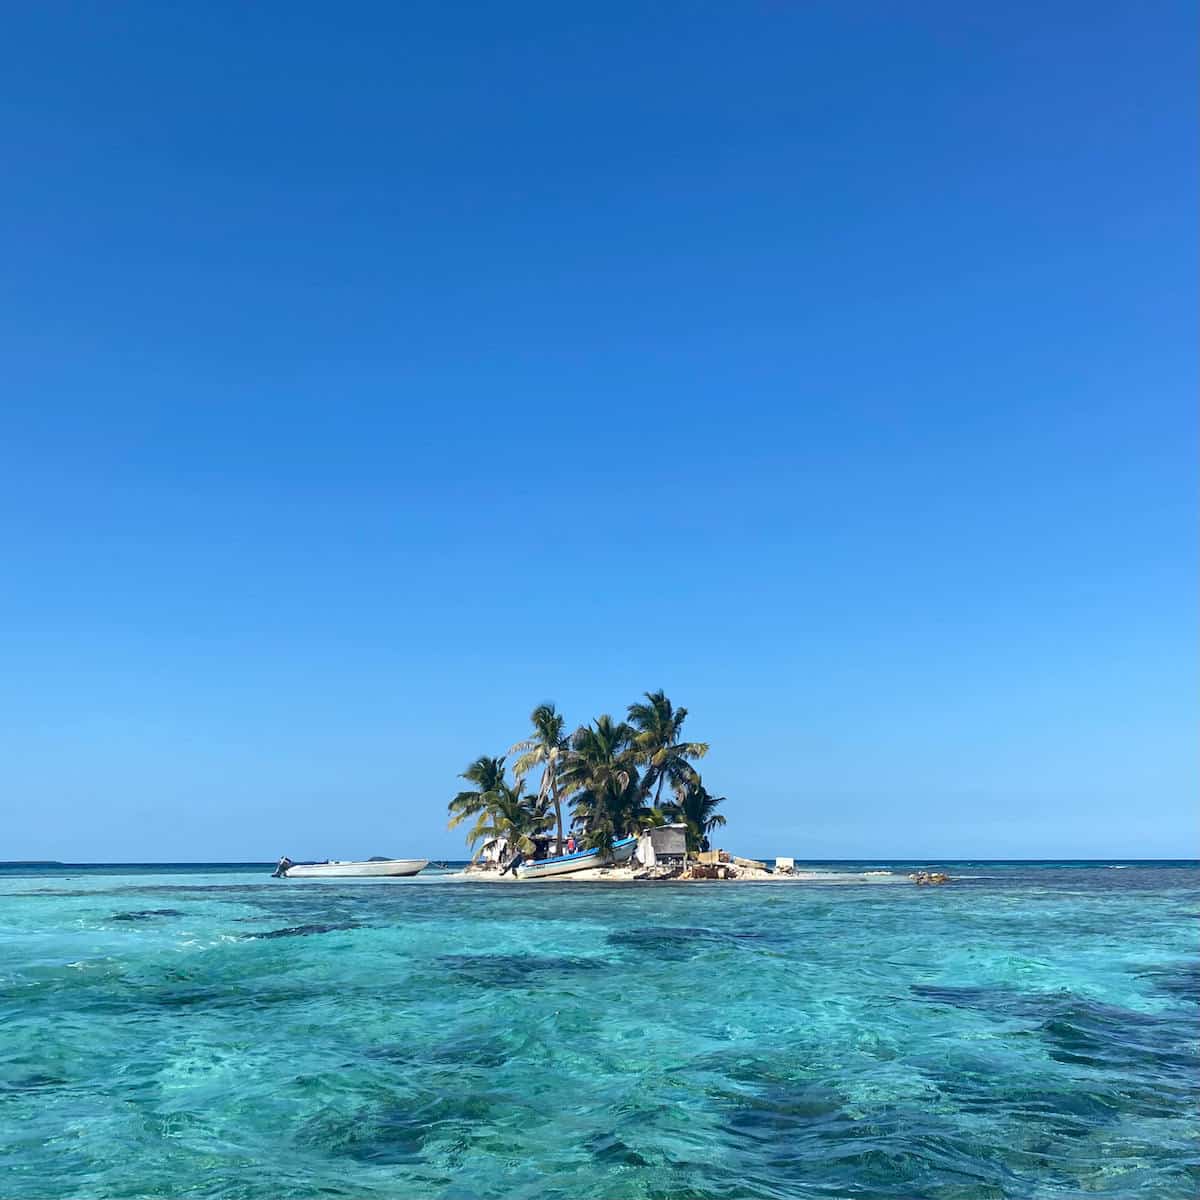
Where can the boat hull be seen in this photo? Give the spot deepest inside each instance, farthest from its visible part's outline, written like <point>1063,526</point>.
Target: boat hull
<point>392,867</point>
<point>581,860</point>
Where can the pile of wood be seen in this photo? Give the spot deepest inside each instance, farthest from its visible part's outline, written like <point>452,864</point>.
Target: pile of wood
<point>749,864</point>
<point>720,864</point>
<point>673,870</point>
<point>702,870</point>
<point>928,878</point>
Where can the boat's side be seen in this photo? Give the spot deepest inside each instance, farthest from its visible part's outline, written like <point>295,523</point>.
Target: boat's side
<point>581,860</point>
<point>563,865</point>
<point>623,849</point>
<point>393,868</point>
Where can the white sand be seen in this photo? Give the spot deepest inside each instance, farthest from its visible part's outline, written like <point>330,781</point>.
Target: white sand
<point>628,874</point>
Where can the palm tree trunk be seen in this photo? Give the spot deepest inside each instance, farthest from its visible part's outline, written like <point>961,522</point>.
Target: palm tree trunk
<point>658,790</point>
<point>557,811</point>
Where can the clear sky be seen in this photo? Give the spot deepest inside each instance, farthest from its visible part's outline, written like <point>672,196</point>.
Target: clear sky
<point>373,372</point>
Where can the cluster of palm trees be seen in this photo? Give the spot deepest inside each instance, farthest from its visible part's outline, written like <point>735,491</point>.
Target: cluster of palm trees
<point>611,775</point>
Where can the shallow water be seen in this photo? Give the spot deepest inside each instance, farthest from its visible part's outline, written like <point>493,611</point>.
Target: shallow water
<point>1030,1031</point>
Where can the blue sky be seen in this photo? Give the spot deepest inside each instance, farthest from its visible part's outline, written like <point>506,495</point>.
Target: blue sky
<point>373,374</point>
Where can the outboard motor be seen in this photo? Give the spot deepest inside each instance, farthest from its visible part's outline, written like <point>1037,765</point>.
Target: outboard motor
<point>281,867</point>
<point>513,863</point>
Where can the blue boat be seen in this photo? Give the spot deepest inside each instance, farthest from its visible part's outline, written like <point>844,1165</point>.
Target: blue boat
<point>581,860</point>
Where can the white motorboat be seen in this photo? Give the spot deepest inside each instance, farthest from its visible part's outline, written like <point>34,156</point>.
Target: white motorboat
<point>336,868</point>
<point>582,860</point>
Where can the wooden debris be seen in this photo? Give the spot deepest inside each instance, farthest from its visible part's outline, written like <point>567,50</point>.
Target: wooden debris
<point>928,878</point>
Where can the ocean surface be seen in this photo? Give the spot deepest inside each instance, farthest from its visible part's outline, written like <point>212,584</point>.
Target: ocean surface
<point>1030,1031</point>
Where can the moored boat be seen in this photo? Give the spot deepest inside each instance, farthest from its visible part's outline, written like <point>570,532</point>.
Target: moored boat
<point>334,868</point>
<point>581,860</point>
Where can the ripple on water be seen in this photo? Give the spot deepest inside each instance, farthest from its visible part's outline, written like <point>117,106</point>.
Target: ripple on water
<point>146,914</point>
<point>515,970</point>
<point>290,931</point>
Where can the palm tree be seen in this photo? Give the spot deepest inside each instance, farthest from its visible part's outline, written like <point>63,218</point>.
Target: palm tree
<point>601,775</point>
<point>668,759</point>
<point>698,811</point>
<point>546,748</point>
<point>499,808</point>
<point>487,774</point>
<point>509,815</point>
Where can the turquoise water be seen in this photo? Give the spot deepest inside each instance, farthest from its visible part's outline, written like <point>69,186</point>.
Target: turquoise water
<point>1030,1031</point>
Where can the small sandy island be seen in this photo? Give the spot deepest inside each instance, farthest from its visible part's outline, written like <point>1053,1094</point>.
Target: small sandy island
<point>737,873</point>
<point>616,801</point>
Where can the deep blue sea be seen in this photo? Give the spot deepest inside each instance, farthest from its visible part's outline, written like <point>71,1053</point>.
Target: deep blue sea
<point>1029,1031</point>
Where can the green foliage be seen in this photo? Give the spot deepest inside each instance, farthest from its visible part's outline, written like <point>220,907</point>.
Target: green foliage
<point>487,774</point>
<point>516,818</point>
<point>698,811</point>
<point>499,808</point>
<point>659,741</point>
<point>611,773</point>
<point>546,748</point>
<point>601,773</point>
